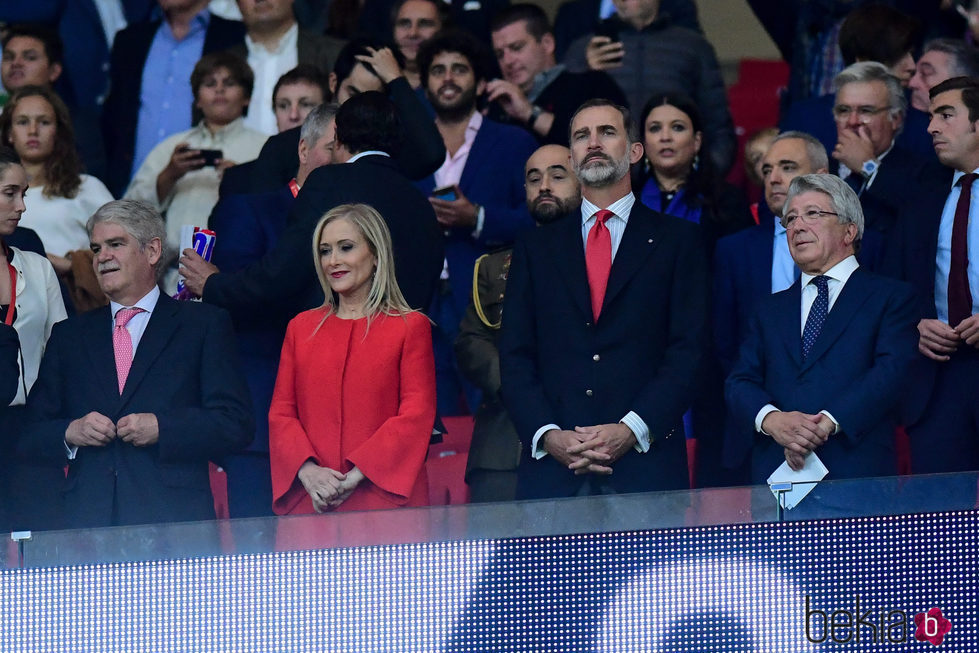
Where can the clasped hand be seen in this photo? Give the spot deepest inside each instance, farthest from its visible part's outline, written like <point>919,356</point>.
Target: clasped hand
<point>590,449</point>
<point>97,430</point>
<point>327,487</point>
<point>798,433</point>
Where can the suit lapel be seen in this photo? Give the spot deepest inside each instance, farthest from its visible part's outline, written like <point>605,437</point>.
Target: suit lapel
<point>159,331</point>
<point>641,237</point>
<point>853,295</point>
<point>761,259</point>
<point>99,345</point>
<point>788,320</point>
<point>568,256</point>
<point>484,141</point>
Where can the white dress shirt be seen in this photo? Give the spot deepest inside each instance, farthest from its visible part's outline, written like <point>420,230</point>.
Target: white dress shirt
<point>269,66</point>
<point>616,225</point>
<point>838,275</point>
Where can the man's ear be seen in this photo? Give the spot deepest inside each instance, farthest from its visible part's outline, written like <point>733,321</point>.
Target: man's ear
<point>54,73</point>
<point>548,42</point>
<point>333,85</point>
<point>154,249</point>
<point>635,152</point>
<point>303,151</point>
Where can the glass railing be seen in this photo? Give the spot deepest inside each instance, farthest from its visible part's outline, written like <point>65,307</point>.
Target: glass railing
<point>599,514</point>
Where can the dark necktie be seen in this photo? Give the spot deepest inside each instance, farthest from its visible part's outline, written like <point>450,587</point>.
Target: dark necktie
<point>817,314</point>
<point>959,293</point>
<point>598,260</point>
<point>855,181</point>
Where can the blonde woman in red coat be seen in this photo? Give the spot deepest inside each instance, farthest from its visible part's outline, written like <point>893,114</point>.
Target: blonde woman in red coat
<point>354,399</point>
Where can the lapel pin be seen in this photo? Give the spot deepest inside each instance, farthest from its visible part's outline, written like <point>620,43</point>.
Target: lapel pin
<point>650,241</point>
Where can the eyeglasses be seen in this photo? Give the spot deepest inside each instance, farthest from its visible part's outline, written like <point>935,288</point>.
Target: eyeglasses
<point>808,217</point>
<point>865,113</point>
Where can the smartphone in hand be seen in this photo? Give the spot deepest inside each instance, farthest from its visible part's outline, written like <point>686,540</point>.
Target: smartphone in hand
<point>447,193</point>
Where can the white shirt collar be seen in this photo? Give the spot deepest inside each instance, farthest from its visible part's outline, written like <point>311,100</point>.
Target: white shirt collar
<point>147,303</point>
<point>620,207</point>
<point>289,40</point>
<point>839,272</point>
<point>367,153</point>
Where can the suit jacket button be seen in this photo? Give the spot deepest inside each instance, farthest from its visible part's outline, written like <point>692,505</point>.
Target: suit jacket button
<point>596,358</point>
<point>589,393</point>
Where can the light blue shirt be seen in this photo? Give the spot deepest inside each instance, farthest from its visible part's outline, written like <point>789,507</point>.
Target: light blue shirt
<point>944,259</point>
<point>784,271</point>
<point>616,224</point>
<point>166,99</point>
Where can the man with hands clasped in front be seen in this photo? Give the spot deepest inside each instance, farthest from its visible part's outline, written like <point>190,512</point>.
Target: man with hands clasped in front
<point>825,361</point>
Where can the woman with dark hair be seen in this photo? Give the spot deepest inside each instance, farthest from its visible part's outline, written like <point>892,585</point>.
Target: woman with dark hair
<point>36,123</point>
<point>354,400</point>
<point>30,302</point>
<point>181,175</point>
<point>675,179</point>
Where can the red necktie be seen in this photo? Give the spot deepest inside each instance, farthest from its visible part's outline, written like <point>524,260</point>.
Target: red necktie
<point>959,294</point>
<point>122,344</point>
<point>598,260</point>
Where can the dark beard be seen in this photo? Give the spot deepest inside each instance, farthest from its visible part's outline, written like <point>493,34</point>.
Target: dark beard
<point>464,105</point>
<point>547,213</point>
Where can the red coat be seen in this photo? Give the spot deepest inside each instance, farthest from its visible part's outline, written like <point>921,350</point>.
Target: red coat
<point>343,400</point>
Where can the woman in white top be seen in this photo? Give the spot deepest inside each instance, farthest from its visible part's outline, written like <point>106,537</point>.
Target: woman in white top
<point>177,178</point>
<point>36,123</point>
<point>30,301</point>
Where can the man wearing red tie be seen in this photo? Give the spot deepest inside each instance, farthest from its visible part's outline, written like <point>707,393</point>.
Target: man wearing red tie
<point>938,241</point>
<point>604,330</point>
<point>138,396</point>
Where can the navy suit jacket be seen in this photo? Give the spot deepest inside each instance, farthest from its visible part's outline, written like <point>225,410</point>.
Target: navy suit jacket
<point>912,252</point>
<point>643,354</point>
<point>494,179</point>
<point>248,227</point>
<point>856,370</point>
<point>120,114</point>
<point>743,278</point>
<point>185,372</point>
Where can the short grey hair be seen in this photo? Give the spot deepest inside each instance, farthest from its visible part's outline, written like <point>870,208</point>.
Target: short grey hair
<point>845,202</point>
<point>140,220</point>
<point>872,71</point>
<point>815,151</point>
<point>316,121</point>
<point>965,58</point>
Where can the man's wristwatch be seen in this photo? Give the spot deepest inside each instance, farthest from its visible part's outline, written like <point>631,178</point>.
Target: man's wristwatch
<point>869,167</point>
<point>535,112</point>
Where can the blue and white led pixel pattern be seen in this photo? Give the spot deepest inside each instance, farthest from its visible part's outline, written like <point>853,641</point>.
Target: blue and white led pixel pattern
<point>868,584</point>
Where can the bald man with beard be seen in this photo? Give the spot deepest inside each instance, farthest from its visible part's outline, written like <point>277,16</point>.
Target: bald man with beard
<point>553,193</point>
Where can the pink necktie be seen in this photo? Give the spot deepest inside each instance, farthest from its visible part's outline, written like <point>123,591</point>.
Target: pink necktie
<point>122,344</point>
<point>598,260</point>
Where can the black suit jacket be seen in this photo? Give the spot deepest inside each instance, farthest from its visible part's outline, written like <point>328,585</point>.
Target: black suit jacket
<point>643,354</point>
<point>185,372</point>
<point>285,279</point>
<point>9,373</point>
<point>898,179</point>
<point>422,150</point>
<point>120,113</point>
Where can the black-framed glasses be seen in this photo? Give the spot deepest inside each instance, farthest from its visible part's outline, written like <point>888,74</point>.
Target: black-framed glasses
<point>808,217</point>
<point>865,113</point>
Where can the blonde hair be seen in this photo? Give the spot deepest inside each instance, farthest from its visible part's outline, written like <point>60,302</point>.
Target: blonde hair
<point>384,297</point>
